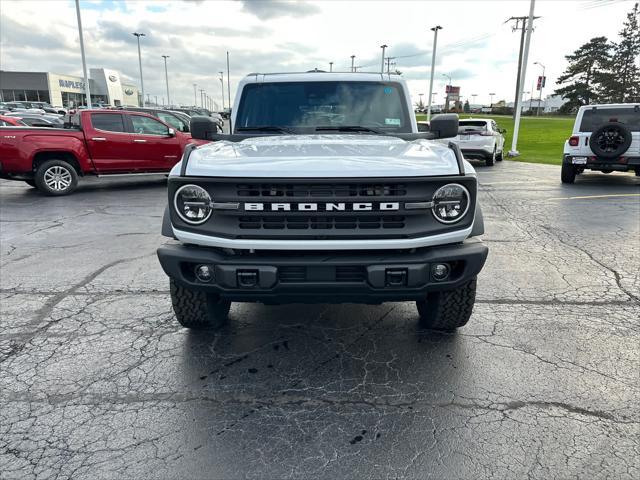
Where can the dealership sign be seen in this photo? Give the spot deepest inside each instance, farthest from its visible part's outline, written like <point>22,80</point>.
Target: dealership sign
<point>71,84</point>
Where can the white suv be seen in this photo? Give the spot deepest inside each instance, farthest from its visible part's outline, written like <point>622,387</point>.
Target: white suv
<point>604,138</point>
<point>481,139</point>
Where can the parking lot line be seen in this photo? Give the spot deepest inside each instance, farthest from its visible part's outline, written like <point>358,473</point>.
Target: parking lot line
<point>584,197</point>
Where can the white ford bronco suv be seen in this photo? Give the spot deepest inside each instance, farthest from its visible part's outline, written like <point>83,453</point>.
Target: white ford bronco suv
<point>324,191</point>
<point>604,138</point>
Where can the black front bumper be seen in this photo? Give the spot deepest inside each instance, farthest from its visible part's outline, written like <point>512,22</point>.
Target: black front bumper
<point>476,154</point>
<point>324,277</point>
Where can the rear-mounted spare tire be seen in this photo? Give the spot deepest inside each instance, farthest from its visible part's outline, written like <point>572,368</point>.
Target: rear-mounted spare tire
<point>610,140</point>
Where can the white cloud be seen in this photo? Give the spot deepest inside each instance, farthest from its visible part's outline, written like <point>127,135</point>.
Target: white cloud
<point>475,46</point>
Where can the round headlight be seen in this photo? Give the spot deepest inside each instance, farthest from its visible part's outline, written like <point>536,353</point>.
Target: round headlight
<point>450,203</point>
<point>193,204</point>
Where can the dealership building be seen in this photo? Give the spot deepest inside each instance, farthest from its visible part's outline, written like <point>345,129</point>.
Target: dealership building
<point>106,87</point>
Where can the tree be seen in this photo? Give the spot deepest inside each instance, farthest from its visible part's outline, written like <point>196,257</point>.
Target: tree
<point>584,73</point>
<point>467,107</point>
<point>622,81</point>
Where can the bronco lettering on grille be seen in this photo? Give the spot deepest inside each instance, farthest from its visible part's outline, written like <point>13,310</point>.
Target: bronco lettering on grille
<point>323,207</point>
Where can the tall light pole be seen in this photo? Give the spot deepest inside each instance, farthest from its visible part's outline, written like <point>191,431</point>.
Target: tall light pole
<point>353,57</point>
<point>136,34</point>
<point>195,96</point>
<point>433,66</point>
<point>491,96</point>
<point>201,97</point>
<point>87,93</point>
<point>222,87</point>
<point>383,47</point>
<point>421,104</point>
<point>156,100</point>
<point>541,87</point>
<point>166,78</point>
<point>525,58</point>
<point>331,66</point>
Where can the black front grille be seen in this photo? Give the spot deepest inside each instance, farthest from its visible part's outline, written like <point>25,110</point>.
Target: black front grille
<point>305,222</point>
<point>340,273</point>
<point>302,190</point>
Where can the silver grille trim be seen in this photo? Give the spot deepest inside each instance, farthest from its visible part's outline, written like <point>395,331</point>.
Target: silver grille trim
<point>359,244</point>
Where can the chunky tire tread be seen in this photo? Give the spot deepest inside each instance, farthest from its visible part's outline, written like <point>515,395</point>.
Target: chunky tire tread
<point>568,173</point>
<point>198,310</point>
<point>448,310</point>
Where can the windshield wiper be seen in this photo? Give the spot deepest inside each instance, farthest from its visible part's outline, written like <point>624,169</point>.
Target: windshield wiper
<point>265,128</point>
<point>347,128</point>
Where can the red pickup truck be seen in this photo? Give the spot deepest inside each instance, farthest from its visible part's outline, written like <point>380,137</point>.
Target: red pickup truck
<point>96,142</point>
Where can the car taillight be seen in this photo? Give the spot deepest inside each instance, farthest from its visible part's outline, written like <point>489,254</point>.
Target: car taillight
<point>574,141</point>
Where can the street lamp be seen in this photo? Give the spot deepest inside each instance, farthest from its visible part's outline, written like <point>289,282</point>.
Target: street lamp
<point>136,34</point>
<point>383,47</point>
<point>421,104</point>
<point>491,95</point>
<point>166,78</point>
<point>541,86</point>
<point>353,57</point>
<point>222,87</point>
<point>201,97</point>
<point>331,66</point>
<point>87,92</point>
<point>433,66</point>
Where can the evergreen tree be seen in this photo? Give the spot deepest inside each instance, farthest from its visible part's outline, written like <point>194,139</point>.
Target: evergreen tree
<point>467,107</point>
<point>622,82</point>
<point>584,73</point>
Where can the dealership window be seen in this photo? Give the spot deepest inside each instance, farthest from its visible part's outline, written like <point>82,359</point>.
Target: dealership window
<point>109,122</point>
<point>24,95</point>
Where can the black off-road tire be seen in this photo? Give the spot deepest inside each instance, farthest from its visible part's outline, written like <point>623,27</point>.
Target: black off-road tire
<point>568,173</point>
<point>198,310</point>
<point>31,183</point>
<point>448,310</point>
<point>610,140</point>
<point>491,160</point>
<point>67,173</point>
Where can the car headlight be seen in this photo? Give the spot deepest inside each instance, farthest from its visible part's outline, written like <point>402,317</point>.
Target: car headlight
<point>192,204</point>
<point>450,203</point>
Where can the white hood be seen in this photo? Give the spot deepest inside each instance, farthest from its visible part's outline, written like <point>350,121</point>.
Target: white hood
<point>322,156</point>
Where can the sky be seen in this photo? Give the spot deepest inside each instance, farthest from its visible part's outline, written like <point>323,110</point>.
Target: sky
<point>476,45</point>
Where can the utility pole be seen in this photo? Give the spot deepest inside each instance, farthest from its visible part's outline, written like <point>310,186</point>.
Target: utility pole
<point>521,24</point>
<point>195,97</point>
<point>433,66</point>
<point>156,100</point>
<point>516,127</point>
<point>87,93</point>
<point>201,97</point>
<point>383,47</point>
<point>353,57</point>
<point>542,81</point>
<point>166,78</point>
<point>331,66</point>
<point>222,87</point>
<point>136,34</point>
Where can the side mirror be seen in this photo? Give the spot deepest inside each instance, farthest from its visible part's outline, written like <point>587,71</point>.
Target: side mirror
<point>202,128</point>
<point>444,125</point>
<point>172,132</point>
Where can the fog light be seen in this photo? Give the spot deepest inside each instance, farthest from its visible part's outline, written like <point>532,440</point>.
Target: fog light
<point>440,271</point>
<point>204,273</point>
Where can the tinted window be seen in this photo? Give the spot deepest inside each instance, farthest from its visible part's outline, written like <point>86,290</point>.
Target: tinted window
<point>311,104</point>
<point>472,126</point>
<point>108,121</point>
<point>593,119</point>
<point>174,121</point>
<point>148,126</point>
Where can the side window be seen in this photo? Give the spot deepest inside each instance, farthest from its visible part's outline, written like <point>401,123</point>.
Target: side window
<point>175,122</point>
<point>3,123</point>
<point>148,126</point>
<point>108,122</point>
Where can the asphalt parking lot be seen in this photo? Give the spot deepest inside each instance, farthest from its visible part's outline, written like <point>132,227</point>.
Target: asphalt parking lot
<point>99,381</point>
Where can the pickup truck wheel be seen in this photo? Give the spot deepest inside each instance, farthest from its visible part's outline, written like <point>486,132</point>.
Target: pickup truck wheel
<point>568,173</point>
<point>491,160</point>
<point>56,177</point>
<point>198,310</point>
<point>448,310</point>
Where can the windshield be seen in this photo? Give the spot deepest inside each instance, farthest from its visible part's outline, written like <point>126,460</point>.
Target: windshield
<point>379,106</point>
